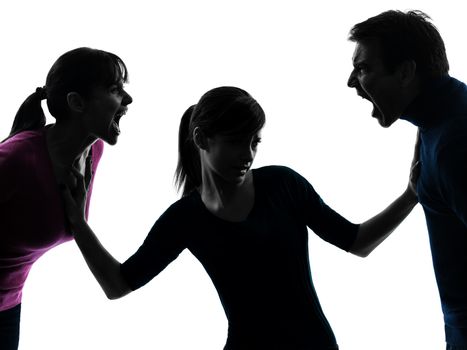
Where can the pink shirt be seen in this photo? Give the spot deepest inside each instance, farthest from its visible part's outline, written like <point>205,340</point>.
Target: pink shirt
<point>32,219</point>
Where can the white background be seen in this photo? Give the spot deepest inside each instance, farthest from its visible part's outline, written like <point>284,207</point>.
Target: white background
<point>294,58</point>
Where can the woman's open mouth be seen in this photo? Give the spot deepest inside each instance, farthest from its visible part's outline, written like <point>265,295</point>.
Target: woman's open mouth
<point>116,120</point>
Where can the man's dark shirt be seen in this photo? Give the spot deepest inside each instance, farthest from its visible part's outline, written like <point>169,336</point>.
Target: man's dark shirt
<point>440,112</point>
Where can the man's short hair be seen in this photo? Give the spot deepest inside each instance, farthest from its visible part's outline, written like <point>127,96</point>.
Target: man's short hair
<point>405,36</point>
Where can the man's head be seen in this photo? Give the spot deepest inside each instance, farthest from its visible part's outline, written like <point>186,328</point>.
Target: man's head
<point>395,53</point>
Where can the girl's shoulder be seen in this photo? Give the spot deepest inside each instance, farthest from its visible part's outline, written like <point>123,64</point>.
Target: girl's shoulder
<point>274,174</point>
<point>186,207</point>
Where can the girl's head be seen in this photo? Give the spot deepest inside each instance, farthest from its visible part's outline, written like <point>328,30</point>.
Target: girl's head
<point>225,123</point>
<point>77,71</point>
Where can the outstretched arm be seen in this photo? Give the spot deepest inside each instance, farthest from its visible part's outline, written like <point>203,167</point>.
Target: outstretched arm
<point>105,268</point>
<point>375,230</point>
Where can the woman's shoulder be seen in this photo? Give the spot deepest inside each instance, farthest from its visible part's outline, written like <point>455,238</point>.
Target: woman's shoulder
<point>22,147</point>
<point>282,179</point>
<point>276,173</point>
<point>24,139</point>
<point>185,207</point>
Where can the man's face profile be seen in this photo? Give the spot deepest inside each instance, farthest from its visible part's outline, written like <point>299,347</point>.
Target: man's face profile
<point>375,83</point>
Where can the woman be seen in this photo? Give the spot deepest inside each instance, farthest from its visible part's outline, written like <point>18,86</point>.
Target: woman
<point>84,93</point>
<point>248,227</point>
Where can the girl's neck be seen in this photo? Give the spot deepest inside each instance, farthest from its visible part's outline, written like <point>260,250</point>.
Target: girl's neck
<point>229,201</point>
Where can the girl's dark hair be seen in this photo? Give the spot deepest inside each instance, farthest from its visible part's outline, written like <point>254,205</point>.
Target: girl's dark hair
<point>78,71</point>
<point>405,36</point>
<point>226,111</point>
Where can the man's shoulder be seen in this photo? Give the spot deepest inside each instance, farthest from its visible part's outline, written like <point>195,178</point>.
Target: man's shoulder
<point>453,132</point>
<point>451,142</point>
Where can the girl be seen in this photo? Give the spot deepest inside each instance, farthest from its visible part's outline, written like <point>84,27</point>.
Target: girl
<point>248,228</point>
<point>84,93</point>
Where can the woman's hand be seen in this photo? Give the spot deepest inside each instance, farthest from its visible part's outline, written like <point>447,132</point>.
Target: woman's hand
<point>415,168</point>
<point>376,229</point>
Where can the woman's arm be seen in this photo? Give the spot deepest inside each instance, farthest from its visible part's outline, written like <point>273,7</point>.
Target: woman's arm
<point>375,230</point>
<point>105,268</point>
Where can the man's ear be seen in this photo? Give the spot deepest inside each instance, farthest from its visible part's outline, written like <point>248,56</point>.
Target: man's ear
<point>200,139</point>
<point>407,72</point>
<point>75,102</point>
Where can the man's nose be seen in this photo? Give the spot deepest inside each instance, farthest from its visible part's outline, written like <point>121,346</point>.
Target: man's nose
<point>352,81</point>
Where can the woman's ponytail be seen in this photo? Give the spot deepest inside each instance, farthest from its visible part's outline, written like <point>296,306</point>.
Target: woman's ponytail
<point>30,115</point>
<point>188,172</point>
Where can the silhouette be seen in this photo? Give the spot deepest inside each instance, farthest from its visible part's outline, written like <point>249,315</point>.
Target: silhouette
<point>247,227</point>
<point>400,65</point>
<point>84,94</point>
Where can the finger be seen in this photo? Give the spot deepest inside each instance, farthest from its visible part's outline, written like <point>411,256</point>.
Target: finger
<point>66,194</point>
<point>80,188</point>
<point>88,171</point>
<point>415,174</point>
<point>416,165</point>
<point>67,203</point>
<point>76,173</point>
<point>417,145</point>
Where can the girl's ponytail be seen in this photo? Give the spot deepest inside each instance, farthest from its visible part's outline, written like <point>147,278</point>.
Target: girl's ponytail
<point>188,172</point>
<point>30,115</point>
<point>226,110</point>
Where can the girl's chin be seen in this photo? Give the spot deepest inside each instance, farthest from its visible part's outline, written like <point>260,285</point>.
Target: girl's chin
<point>238,178</point>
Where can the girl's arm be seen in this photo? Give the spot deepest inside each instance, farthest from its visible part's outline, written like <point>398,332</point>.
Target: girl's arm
<point>105,268</point>
<point>375,230</point>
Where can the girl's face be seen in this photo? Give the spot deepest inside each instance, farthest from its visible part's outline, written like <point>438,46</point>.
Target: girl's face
<point>230,157</point>
<point>104,108</point>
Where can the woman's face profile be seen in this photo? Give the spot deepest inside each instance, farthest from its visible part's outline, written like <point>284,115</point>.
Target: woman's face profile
<point>105,107</point>
<point>231,156</point>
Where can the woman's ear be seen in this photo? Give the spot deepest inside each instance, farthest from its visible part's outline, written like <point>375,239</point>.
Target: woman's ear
<point>75,102</point>
<point>200,139</point>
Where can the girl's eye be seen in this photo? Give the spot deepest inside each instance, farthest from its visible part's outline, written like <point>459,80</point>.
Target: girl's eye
<point>116,89</point>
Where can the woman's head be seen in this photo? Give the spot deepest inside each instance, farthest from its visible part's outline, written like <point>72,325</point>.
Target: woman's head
<point>226,112</point>
<point>79,71</point>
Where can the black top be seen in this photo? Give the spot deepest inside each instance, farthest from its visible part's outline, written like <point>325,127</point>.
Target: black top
<point>260,266</point>
<point>440,112</point>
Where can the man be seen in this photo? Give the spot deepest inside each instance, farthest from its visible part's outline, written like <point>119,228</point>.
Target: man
<point>400,66</point>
